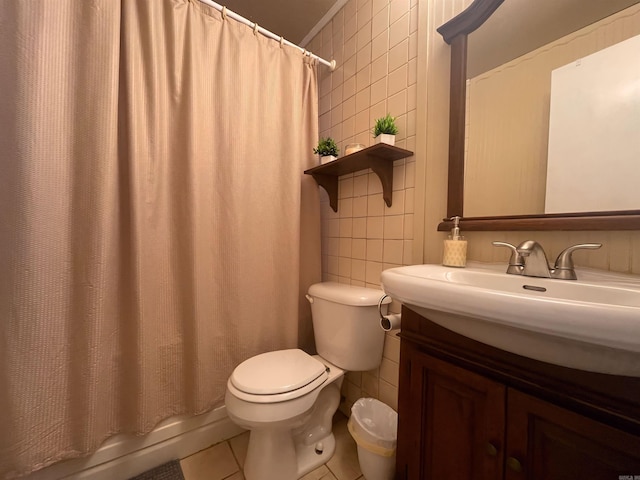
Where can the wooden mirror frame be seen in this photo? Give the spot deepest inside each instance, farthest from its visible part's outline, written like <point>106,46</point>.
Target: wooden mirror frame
<point>455,33</point>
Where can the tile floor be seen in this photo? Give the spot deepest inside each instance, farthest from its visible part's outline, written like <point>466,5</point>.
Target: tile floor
<point>224,461</point>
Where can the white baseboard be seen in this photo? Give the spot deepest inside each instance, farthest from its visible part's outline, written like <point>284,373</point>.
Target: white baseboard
<point>124,456</point>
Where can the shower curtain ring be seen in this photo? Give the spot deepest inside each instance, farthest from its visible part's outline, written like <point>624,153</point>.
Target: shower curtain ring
<point>224,12</point>
<point>255,28</point>
<point>281,41</point>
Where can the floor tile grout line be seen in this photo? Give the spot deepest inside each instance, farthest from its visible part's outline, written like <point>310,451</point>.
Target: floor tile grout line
<point>235,457</point>
<point>234,473</point>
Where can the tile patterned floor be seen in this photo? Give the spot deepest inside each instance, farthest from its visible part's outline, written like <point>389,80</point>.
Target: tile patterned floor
<point>224,461</point>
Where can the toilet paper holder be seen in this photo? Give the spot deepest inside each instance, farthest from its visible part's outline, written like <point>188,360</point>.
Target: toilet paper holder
<point>388,321</point>
<point>380,304</point>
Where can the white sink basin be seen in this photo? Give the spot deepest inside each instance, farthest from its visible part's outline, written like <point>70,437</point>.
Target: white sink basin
<point>591,324</point>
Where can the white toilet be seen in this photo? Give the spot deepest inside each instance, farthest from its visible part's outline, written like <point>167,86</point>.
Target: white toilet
<point>287,398</point>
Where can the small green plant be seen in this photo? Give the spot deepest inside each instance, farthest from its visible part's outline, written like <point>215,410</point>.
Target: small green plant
<point>326,146</point>
<point>386,124</point>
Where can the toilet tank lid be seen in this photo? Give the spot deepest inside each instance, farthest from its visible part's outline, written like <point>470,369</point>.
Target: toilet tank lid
<point>347,294</point>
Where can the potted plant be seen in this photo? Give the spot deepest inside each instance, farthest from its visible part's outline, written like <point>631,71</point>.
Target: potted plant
<point>385,130</point>
<point>327,149</point>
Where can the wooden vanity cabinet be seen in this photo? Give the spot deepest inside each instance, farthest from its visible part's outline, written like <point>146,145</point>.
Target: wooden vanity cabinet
<point>453,415</point>
<point>468,411</point>
<point>555,443</point>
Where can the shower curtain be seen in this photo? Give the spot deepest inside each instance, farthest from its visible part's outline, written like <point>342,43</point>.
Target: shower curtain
<point>155,225</point>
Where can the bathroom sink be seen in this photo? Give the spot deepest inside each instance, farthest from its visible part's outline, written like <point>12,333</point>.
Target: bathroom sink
<point>590,324</point>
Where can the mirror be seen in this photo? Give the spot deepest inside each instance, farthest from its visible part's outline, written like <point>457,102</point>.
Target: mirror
<point>476,118</point>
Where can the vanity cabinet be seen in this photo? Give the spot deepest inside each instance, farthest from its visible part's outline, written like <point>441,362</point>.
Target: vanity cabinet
<point>555,443</point>
<point>470,411</point>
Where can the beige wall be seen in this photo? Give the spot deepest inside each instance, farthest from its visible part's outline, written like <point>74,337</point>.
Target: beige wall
<point>433,129</point>
<point>391,59</point>
<point>375,44</point>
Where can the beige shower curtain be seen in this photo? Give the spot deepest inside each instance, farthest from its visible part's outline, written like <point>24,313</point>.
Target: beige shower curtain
<point>151,186</point>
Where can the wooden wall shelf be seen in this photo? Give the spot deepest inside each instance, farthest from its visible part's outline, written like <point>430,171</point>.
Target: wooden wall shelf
<point>379,158</point>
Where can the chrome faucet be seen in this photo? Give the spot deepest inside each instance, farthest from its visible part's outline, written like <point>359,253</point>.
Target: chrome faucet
<point>535,260</point>
<point>530,260</point>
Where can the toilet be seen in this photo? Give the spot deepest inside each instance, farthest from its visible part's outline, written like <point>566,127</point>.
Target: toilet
<point>287,398</point>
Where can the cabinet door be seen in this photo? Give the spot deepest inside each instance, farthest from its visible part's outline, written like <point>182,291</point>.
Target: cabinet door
<point>452,424</point>
<point>546,442</point>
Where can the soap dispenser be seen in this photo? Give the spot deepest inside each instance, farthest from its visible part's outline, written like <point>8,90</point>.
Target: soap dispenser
<point>455,247</point>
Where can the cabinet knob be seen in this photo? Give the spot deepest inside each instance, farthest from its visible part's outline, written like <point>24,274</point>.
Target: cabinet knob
<point>492,451</point>
<point>514,464</point>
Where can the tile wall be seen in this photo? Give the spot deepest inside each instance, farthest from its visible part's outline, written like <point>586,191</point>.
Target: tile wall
<point>374,43</point>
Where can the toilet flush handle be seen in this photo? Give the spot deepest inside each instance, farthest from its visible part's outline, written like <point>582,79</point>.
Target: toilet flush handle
<point>309,297</point>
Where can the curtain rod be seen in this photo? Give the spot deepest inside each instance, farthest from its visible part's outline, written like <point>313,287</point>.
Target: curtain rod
<point>331,64</point>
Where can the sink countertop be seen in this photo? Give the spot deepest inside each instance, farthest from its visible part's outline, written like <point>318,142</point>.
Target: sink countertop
<point>596,317</point>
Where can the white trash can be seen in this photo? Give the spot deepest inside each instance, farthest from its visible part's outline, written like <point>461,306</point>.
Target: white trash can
<point>374,427</point>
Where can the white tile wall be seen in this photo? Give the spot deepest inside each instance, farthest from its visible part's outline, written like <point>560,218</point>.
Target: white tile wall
<point>375,44</point>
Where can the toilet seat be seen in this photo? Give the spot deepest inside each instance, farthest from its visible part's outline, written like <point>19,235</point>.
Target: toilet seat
<point>277,376</point>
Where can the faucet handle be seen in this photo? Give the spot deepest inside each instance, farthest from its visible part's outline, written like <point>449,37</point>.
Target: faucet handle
<point>516,262</point>
<point>564,267</point>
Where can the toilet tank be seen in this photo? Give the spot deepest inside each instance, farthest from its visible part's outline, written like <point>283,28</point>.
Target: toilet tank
<point>346,324</point>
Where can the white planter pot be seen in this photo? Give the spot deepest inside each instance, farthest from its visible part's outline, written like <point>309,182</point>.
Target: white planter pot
<point>385,138</point>
<point>327,159</point>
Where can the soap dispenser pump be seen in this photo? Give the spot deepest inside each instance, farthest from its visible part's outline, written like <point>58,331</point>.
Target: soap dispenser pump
<point>455,247</point>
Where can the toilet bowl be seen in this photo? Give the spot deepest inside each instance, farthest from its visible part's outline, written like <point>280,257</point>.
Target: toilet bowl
<point>290,430</point>
<point>287,398</point>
